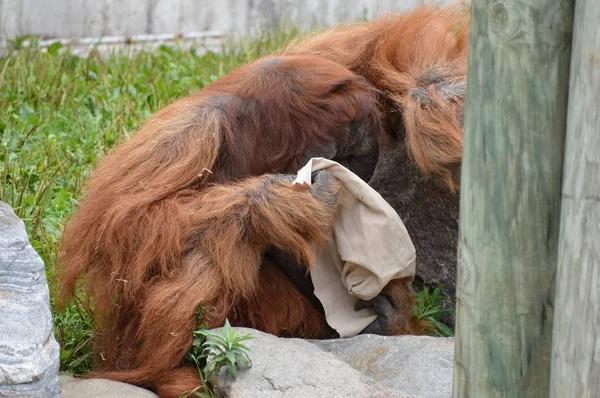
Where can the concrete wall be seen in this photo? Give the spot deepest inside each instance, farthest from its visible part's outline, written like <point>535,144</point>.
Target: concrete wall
<point>85,18</point>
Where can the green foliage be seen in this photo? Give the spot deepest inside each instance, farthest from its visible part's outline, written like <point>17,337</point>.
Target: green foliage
<point>430,307</point>
<point>54,48</point>
<point>73,328</point>
<point>197,356</point>
<point>224,348</point>
<point>204,390</point>
<point>61,113</point>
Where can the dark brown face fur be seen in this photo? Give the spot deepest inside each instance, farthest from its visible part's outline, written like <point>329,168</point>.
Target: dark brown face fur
<point>281,110</point>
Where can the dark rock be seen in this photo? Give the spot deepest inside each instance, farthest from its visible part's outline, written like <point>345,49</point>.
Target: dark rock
<point>429,212</point>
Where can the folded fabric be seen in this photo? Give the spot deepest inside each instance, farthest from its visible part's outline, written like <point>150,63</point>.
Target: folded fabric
<point>368,247</point>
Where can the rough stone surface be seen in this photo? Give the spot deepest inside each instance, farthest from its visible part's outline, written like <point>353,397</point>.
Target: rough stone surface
<point>29,354</point>
<point>416,366</point>
<point>362,366</point>
<point>294,368</point>
<point>100,388</point>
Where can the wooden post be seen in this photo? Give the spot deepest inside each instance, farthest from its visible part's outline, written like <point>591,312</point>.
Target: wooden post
<point>515,124</point>
<point>576,341</point>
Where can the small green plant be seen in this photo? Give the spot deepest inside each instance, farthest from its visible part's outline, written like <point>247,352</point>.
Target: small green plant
<point>224,348</point>
<point>203,390</point>
<point>73,328</point>
<point>430,307</point>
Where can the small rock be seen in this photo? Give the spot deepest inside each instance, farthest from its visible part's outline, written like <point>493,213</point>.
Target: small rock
<point>100,388</point>
<point>29,354</point>
<point>417,366</point>
<point>294,368</point>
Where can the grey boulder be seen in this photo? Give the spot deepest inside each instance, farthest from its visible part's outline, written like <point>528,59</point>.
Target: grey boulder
<point>294,368</point>
<point>29,354</point>
<point>100,388</point>
<point>416,366</point>
<point>362,366</point>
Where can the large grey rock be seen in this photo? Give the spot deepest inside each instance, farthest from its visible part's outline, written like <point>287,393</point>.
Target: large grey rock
<point>417,366</point>
<point>100,388</point>
<point>362,366</point>
<point>29,354</point>
<point>294,368</point>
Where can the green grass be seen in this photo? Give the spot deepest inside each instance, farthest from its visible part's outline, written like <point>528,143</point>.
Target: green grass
<point>61,113</point>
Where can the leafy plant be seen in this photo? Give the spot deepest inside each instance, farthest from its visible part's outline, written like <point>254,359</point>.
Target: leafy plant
<point>203,390</point>
<point>430,307</point>
<point>211,351</point>
<point>73,329</point>
<point>225,348</point>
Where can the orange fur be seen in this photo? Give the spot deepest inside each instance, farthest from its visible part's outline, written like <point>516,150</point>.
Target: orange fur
<point>419,61</point>
<point>180,215</point>
<point>281,309</point>
<point>401,295</point>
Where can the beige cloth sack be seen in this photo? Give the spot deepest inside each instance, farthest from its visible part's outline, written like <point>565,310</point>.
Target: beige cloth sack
<point>368,247</point>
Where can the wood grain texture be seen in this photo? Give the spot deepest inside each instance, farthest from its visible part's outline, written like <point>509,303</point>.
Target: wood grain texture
<point>576,341</point>
<point>510,197</point>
